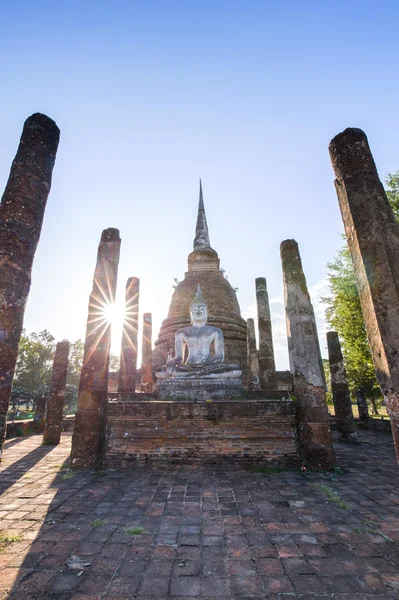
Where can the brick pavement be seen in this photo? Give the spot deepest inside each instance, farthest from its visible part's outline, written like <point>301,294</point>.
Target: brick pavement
<point>182,535</point>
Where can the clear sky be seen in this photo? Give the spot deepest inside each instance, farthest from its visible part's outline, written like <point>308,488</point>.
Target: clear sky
<point>150,95</point>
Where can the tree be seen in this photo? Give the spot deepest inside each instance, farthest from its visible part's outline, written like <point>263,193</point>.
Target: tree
<point>392,190</point>
<point>344,313</point>
<point>34,363</point>
<point>75,363</point>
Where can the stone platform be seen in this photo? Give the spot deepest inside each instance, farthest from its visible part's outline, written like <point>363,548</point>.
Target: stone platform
<point>228,432</point>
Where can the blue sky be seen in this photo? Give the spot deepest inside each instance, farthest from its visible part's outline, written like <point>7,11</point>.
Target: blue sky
<point>151,95</point>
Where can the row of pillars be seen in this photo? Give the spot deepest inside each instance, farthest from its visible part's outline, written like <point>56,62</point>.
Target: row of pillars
<point>306,365</point>
<point>373,244</point>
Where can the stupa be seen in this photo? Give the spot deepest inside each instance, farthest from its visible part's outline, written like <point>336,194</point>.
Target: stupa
<point>223,308</point>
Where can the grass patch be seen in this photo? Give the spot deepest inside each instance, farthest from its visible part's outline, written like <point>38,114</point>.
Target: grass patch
<point>8,538</point>
<point>331,495</point>
<point>268,469</point>
<point>67,473</point>
<point>99,523</point>
<point>135,531</point>
<point>370,527</point>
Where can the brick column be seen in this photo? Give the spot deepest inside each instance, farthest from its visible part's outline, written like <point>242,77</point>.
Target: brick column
<point>373,239</point>
<point>340,390</point>
<point>252,357</point>
<point>55,402</point>
<point>147,382</point>
<point>128,362</point>
<point>305,363</point>
<point>267,367</point>
<point>362,407</point>
<point>21,217</point>
<point>88,441</point>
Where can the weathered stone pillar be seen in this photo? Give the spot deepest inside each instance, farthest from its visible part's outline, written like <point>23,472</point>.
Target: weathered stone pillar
<point>373,239</point>
<point>146,353</point>
<point>362,407</point>
<point>267,367</point>
<point>340,390</point>
<point>21,217</point>
<point>40,412</point>
<point>55,402</point>
<point>88,441</point>
<point>305,363</point>
<point>128,362</point>
<point>252,356</point>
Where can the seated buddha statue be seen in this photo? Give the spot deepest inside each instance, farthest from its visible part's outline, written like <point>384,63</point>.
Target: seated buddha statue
<point>199,339</point>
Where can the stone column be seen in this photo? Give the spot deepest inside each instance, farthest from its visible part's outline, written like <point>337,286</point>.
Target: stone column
<point>340,390</point>
<point>267,367</point>
<point>252,356</point>
<point>40,412</point>
<point>128,362</point>
<point>21,217</point>
<point>373,239</point>
<point>88,441</point>
<point>55,402</point>
<point>146,352</point>
<point>362,407</point>
<point>305,363</point>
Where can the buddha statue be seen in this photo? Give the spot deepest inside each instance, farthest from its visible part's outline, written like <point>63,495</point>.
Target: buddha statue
<point>203,346</point>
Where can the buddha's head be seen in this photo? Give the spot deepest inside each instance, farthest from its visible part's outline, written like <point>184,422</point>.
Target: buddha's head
<point>198,309</point>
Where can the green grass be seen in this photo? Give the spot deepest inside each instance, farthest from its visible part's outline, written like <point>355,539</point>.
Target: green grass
<point>99,523</point>
<point>268,469</point>
<point>331,495</point>
<point>370,527</point>
<point>68,473</point>
<point>8,538</point>
<point>135,531</point>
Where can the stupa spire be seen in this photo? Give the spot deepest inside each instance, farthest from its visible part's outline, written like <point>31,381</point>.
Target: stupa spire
<point>201,240</point>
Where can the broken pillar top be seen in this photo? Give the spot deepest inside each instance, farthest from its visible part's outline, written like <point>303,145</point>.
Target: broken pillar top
<point>40,128</point>
<point>350,153</point>
<point>132,281</point>
<point>110,235</point>
<point>260,283</point>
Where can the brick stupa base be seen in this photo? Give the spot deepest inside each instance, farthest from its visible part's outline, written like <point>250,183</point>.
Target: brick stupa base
<point>226,432</point>
<point>198,388</point>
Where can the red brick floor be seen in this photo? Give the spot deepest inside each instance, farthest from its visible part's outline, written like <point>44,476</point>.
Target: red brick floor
<point>182,535</point>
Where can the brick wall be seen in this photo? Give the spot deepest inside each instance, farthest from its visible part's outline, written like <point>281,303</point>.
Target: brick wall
<point>231,432</point>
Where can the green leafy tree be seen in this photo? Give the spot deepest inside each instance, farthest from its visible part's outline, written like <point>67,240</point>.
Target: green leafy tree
<point>392,190</point>
<point>35,357</point>
<point>75,361</point>
<point>344,314</point>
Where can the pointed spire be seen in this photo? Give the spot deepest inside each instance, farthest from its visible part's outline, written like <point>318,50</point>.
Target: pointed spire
<point>201,240</point>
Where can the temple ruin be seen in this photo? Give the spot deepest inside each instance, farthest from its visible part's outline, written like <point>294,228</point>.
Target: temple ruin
<point>205,393</point>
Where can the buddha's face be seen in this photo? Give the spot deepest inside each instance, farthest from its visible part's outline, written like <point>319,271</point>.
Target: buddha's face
<point>199,313</point>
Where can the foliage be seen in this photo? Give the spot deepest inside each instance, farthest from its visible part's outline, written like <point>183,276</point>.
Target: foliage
<point>331,495</point>
<point>135,531</point>
<point>327,374</point>
<point>344,313</point>
<point>392,190</point>
<point>34,360</point>
<point>21,396</point>
<point>75,361</point>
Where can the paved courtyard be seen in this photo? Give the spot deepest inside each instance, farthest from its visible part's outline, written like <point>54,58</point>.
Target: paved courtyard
<point>180,535</point>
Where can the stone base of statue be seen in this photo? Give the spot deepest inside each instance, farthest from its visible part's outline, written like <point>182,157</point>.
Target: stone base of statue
<point>200,389</point>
